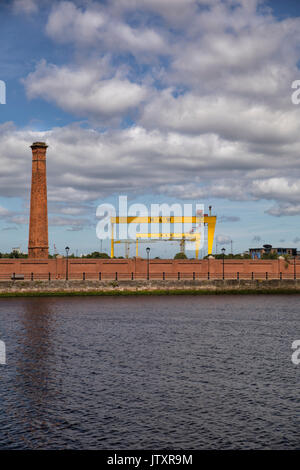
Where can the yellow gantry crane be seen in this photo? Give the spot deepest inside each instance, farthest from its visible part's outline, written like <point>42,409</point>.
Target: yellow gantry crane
<point>193,237</point>
<point>209,220</point>
<point>137,243</point>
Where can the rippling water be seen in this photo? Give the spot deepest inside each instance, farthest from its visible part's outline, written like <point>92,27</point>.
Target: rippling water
<point>150,373</point>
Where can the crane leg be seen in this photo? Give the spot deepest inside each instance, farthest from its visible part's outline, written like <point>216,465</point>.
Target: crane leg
<point>211,225</point>
<point>112,245</point>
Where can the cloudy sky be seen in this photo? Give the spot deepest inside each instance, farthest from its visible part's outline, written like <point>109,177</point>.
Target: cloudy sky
<point>160,100</point>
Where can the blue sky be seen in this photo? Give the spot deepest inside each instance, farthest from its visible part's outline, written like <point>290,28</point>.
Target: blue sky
<point>184,104</point>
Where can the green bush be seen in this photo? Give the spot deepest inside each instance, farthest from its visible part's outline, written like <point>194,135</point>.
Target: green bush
<point>180,256</point>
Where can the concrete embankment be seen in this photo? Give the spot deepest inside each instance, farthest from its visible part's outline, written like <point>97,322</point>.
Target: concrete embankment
<point>155,287</point>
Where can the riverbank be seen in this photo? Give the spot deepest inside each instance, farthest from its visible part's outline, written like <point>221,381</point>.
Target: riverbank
<point>154,287</point>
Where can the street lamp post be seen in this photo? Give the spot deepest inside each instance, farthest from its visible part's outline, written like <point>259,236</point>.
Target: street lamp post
<point>223,252</point>
<point>294,267</point>
<point>148,253</point>
<point>67,263</point>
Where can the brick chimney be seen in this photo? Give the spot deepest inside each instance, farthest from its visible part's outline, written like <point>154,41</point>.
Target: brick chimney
<point>38,224</point>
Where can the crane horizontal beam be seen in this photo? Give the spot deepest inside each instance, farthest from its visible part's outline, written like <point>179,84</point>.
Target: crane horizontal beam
<point>163,219</point>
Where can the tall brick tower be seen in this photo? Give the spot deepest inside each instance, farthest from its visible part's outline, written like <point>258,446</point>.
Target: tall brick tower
<point>38,224</point>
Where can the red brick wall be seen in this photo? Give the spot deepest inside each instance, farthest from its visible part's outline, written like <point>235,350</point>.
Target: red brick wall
<point>57,267</point>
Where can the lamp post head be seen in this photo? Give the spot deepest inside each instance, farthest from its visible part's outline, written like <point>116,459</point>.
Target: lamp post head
<point>67,249</point>
<point>148,250</point>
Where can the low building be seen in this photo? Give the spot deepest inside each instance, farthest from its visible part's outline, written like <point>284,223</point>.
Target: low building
<point>267,249</point>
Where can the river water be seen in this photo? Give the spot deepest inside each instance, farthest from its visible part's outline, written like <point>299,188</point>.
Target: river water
<point>206,372</point>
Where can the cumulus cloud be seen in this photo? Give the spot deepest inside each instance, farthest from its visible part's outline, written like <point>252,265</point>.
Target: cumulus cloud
<point>6,229</point>
<point>280,188</point>
<point>223,239</point>
<point>68,23</point>
<point>25,6</point>
<point>85,165</point>
<point>12,217</point>
<point>3,211</point>
<point>94,26</point>
<point>19,219</point>
<point>75,224</point>
<point>281,210</point>
<point>228,218</point>
<point>69,210</point>
<point>182,11</point>
<point>208,83</point>
<point>232,118</point>
<point>85,91</point>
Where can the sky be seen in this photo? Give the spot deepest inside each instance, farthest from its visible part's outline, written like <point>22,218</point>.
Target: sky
<point>165,101</point>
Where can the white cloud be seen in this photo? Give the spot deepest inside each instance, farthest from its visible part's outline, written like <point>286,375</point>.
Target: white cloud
<point>177,14</point>
<point>68,23</point>
<point>279,188</point>
<point>229,117</point>
<point>223,239</point>
<point>3,211</point>
<point>75,224</point>
<point>94,25</point>
<point>213,117</point>
<point>84,164</point>
<point>70,210</point>
<point>19,219</point>
<point>284,210</point>
<point>85,91</point>
<point>228,218</point>
<point>25,6</point>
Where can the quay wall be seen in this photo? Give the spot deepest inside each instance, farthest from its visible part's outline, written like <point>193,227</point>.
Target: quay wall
<point>144,287</point>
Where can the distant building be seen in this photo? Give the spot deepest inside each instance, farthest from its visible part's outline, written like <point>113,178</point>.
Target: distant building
<point>266,249</point>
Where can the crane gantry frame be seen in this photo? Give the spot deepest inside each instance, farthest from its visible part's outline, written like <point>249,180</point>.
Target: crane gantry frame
<point>209,220</point>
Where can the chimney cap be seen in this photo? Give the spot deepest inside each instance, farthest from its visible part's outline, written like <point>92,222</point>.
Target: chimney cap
<point>38,145</point>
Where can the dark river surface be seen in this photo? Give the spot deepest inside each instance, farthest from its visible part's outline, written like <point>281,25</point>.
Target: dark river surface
<point>207,372</point>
